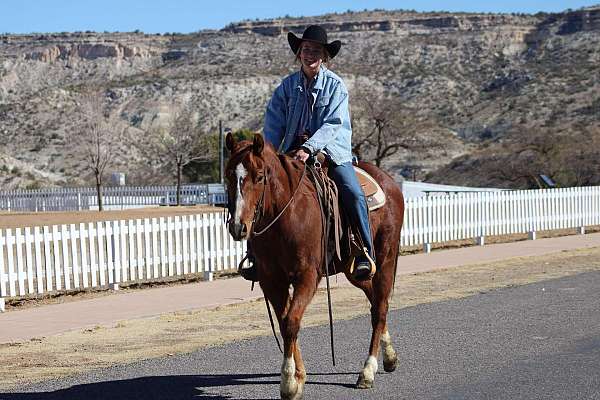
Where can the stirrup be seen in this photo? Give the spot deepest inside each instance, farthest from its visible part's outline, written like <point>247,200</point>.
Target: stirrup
<point>250,273</point>
<point>359,273</point>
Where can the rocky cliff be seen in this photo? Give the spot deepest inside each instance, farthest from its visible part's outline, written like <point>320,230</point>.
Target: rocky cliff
<point>464,87</point>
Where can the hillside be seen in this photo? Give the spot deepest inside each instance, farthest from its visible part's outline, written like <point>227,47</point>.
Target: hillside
<point>468,95</point>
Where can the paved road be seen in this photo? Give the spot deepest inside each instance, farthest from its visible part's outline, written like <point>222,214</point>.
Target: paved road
<point>540,341</point>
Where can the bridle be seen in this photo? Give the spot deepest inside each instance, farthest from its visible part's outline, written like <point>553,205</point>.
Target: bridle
<point>259,211</point>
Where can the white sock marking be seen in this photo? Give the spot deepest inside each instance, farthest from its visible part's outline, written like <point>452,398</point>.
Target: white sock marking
<point>386,344</point>
<point>288,376</point>
<point>370,369</point>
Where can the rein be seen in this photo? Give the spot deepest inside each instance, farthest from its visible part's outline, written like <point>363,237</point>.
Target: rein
<point>259,211</point>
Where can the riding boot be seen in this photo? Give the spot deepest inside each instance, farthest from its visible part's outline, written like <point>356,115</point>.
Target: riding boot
<point>364,266</point>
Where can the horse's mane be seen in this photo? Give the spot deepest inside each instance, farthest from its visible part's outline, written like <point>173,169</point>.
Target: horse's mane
<point>270,156</point>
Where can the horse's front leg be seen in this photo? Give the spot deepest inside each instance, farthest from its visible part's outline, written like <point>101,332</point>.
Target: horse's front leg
<point>293,373</point>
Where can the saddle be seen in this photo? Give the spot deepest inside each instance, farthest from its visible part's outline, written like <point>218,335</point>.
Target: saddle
<point>342,238</point>
<point>373,192</point>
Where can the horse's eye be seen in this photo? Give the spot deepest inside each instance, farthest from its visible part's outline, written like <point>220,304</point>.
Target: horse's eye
<point>260,178</point>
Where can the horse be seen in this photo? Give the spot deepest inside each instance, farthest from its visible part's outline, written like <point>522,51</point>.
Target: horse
<point>272,190</point>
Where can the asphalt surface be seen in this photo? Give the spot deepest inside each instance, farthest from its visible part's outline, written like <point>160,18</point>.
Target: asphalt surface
<point>539,341</point>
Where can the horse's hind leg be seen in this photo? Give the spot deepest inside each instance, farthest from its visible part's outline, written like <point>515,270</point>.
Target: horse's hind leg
<point>378,294</point>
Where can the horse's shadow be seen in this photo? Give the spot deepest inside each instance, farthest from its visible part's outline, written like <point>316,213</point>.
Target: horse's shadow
<point>176,387</point>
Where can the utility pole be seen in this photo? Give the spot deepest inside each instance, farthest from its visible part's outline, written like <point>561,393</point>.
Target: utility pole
<point>222,132</point>
<point>221,180</point>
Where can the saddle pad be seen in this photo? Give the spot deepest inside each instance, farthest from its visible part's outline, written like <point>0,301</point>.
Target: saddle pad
<point>373,192</point>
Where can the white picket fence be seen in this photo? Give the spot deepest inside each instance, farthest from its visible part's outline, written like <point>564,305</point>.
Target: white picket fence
<point>438,219</point>
<point>91,255</point>
<point>115,197</point>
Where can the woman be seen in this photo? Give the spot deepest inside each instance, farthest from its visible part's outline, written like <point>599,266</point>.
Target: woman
<point>309,113</point>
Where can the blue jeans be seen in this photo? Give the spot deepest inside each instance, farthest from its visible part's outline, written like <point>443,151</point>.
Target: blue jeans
<point>353,200</point>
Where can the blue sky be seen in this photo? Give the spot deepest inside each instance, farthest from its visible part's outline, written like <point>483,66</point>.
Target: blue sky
<point>159,16</point>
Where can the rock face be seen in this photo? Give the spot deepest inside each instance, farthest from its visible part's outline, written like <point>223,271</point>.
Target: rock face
<point>464,87</point>
<point>588,20</point>
<point>86,51</point>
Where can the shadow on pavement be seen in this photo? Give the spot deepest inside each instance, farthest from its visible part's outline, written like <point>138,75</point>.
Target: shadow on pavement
<point>177,387</point>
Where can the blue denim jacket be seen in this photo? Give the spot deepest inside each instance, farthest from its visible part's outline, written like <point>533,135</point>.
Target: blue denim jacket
<point>330,121</point>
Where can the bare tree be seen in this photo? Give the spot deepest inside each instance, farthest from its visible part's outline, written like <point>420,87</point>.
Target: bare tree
<point>100,136</point>
<point>378,127</point>
<point>579,161</point>
<point>568,159</point>
<point>177,142</point>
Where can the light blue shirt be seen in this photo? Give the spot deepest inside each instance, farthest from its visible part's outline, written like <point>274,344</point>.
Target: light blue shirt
<point>330,121</point>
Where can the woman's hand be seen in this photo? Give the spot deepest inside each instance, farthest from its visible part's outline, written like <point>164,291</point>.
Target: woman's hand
<point>301,155</point>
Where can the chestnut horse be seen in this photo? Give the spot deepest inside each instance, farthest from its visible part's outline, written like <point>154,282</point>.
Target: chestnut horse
<point>289,252</point>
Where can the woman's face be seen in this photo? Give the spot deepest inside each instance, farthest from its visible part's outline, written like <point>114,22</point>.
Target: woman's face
<point>311,57</point>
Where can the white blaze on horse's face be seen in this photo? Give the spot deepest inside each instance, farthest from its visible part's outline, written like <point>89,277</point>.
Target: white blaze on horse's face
<point>240,174</point>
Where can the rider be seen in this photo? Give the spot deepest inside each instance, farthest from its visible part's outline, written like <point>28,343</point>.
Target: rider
<point>309,113</point>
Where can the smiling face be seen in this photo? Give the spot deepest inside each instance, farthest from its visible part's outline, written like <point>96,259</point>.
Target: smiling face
<point>311,56</point>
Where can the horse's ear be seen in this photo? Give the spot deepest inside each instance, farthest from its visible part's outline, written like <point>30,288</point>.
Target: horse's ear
<point>230,141</point>
<point>258,144</point>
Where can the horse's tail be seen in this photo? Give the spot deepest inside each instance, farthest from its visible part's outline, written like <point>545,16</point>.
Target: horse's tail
<point>401,220</point>
<point>395,271</point>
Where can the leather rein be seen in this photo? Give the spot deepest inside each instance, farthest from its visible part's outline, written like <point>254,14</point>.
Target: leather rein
<point>259,211</point>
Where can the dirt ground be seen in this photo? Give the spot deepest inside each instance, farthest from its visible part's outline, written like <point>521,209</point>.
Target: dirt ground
<point>69,353</point>
<point>23,219</point>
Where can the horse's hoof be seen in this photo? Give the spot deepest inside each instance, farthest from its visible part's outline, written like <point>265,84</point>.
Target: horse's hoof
<point>299,395</point>
<point>390,366</point>
<point>364,383</point>
<point>294,391</point>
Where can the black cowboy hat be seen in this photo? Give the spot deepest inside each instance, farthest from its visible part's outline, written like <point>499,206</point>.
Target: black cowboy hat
<point>316,34</point>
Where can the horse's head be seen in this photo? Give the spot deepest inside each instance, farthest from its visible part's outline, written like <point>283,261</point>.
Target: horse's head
<point>246,180</point>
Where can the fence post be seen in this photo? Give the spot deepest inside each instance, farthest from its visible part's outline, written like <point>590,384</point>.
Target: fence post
<point>113,259</point>
<point>480,239</point>
<point>581,214</point>
<point>2,271</point>
<point>427,247</point>
<point>209,244</point>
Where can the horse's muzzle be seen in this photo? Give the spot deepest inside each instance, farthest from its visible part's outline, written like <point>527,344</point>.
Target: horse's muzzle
<point>238,231</point>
